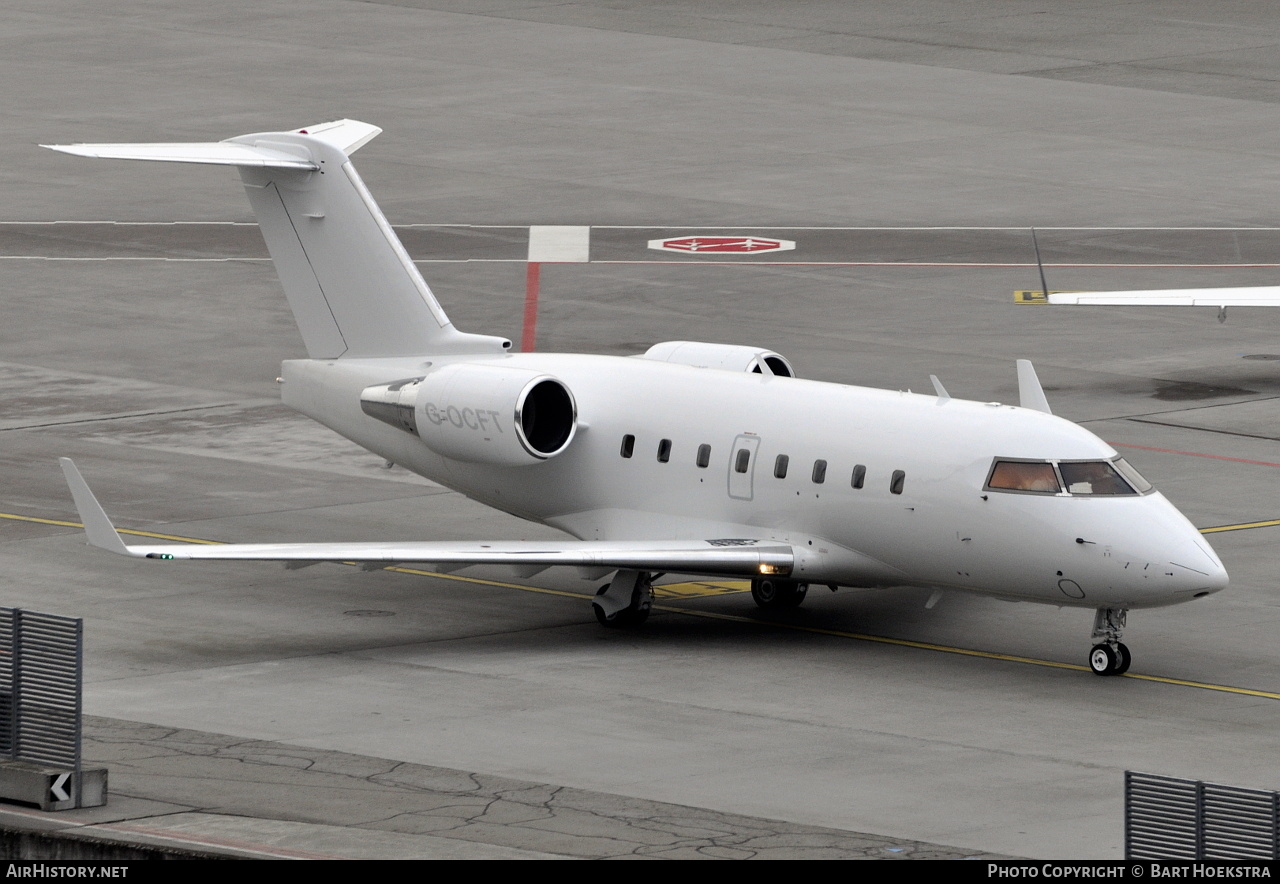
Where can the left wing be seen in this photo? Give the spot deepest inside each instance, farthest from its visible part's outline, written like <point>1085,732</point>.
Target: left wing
<point>1256,296</point>
<point>721,557</point>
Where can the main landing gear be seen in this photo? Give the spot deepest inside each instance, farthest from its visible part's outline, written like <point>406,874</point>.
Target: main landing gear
<point>769,592</point>
<point>1109,656</point>
<point>624,602</point>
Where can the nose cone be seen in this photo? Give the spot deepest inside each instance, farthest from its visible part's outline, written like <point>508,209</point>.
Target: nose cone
<point>1205,577</point>
<point>1164,559</point>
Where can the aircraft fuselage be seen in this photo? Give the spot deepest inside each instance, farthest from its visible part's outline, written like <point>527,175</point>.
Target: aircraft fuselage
<point>920,517</point>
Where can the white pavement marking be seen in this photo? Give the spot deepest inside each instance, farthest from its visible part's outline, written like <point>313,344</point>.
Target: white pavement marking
<point>563,245</point>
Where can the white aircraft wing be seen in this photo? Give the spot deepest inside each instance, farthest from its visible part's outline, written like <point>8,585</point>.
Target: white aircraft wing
<point>717,556</point>
<point>1257,296</point>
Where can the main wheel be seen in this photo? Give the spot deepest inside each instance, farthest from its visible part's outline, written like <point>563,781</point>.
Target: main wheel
<point>1125,658</point>
<point>633,615</point>
<point>1104,661</point>
<point>769,593</point>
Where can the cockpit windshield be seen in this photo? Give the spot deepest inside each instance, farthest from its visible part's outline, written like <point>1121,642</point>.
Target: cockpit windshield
<point>1016,475</point>
<point>1077,478</point>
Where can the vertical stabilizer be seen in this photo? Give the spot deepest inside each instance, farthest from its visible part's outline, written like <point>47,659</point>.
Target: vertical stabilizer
<point>353,288</point>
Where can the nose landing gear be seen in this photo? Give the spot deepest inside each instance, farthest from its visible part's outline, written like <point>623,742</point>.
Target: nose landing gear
<point>1109,655</point>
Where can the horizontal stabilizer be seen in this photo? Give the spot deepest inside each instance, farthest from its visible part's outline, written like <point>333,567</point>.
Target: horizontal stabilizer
<point>216,153</point>
<point>713,556</point>
<point>251,151</point>
<point>352,287</point>
<point>1242,296</point>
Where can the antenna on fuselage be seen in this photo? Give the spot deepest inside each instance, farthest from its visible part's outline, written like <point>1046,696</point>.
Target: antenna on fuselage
<point>939,389</point>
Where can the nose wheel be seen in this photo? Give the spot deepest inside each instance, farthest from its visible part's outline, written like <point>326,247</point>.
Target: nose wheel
<point>1109,656</point>
<point>1108,660</point>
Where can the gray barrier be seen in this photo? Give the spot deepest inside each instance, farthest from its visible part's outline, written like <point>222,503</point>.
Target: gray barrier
<point>1173,818</point>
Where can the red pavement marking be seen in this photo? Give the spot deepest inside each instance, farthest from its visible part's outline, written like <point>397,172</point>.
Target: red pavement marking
<point>738,262</point>
<point>529,334</point>
<point>1261,463</point>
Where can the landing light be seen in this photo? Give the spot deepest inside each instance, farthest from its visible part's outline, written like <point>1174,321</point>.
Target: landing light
<point>771,569</point>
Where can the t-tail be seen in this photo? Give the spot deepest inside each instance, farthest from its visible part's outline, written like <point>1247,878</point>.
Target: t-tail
<point>353,288</point>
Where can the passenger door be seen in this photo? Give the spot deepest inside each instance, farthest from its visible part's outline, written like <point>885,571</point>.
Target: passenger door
<point>742,466</point>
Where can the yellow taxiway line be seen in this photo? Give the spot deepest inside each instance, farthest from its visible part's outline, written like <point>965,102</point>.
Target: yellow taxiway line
<point>1244,526</point>
<point>702,589</point>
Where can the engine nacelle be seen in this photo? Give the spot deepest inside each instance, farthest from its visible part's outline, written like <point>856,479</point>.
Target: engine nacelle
<point>725,357</point>
<point>480,413</point>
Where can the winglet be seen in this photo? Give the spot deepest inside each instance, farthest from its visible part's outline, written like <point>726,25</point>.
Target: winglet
<point>1030,393</point>
<point>97,527</point>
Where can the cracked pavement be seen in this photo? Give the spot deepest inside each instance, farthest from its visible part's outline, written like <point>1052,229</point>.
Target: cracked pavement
<point>219,795</point>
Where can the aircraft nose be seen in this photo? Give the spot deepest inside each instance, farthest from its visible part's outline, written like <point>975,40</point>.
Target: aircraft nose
<point>1193,569</point>
<point>1162,559</point>
<point>1200,572</point>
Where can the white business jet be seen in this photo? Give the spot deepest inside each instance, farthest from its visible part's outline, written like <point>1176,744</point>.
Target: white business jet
<point>694,458</point>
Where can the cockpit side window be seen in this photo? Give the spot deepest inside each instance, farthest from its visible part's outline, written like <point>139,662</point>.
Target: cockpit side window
<point>1093,477</point>
<point>1133,476</point>
<point>1013,475</point>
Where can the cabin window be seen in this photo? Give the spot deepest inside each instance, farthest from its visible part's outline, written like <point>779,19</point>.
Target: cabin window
<point>704,455</point>
<point>664,451</point>
<point>1012,475</point>
<point>628,445</point>
<point>898,480</point>
<point>742,460</point>
<point>859,476</point>
<point>780,466</point>
<point>819,472</point>
<point>1094,477</point>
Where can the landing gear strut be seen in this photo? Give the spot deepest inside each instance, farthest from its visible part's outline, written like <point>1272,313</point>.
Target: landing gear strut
<point>624,602</point>
<point>770,592</point>
<point>1109,656</point>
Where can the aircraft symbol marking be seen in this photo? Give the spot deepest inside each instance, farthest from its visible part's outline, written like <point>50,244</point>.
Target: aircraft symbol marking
<point>721,245</point>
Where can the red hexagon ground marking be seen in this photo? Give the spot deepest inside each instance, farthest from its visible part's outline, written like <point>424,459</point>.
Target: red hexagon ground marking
<point>722,245</point>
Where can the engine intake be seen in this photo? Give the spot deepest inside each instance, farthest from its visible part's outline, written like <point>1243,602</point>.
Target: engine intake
<point>480,413</point>
<point>725,357</point>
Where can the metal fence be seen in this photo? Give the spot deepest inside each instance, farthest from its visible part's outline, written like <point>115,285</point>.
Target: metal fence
<point>41,673</point>
<point>1173,818</point>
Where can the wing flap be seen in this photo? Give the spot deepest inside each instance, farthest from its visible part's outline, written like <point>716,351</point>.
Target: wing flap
<point>696,557</point>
